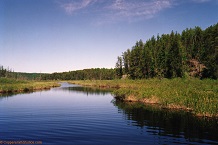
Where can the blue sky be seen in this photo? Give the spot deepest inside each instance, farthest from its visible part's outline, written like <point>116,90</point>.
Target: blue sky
<point>63,35</point>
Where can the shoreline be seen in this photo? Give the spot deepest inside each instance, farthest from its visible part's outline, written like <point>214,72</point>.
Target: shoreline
<point>20,86</point>
<point>198,97</point>
<point>153,102</point>
<point>26,90</point>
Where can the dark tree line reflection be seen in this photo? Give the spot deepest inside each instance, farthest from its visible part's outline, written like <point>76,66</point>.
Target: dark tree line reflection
<point>170,123</point>
<point>87,90</point>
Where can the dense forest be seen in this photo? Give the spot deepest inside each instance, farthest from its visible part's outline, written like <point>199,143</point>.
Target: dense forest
<point>86,74</point>
<point>194,52</point>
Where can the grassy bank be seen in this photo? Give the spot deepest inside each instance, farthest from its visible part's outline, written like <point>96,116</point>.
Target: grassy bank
<point>197,96</point>
<point>13,85</point>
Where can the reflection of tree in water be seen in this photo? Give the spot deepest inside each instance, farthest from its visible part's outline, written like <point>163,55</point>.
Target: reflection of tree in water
<point>6,95</point>
<point>167,122</point>
<point>88,90</point>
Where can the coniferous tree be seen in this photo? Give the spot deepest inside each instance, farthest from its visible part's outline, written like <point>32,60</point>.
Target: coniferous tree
<point>126,61</point>
<point>119,67</point>
<point>210,53</point>
<point>174,55</point>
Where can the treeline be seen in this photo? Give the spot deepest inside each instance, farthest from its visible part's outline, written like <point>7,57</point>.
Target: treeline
<point>86,74</point>
<point>193,53</point>
<point>30,76</point>
<point>9,73</point>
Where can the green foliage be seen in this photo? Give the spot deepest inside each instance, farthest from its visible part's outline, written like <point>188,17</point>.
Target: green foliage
<point>194,52</point>
<point>86,74</point>
<point>119,67</point>
<point>8,73</point>
<point>210,52</point>
<point>29,76</point>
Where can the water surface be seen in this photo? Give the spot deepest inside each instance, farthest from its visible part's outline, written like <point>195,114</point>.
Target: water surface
<point>73,114</point>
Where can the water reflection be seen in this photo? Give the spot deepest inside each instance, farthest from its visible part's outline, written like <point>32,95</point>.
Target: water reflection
<point>65,87</point>
<point>65,115</point>
<point>85,90</point>
<point>6,95</point>
<point>178,124</point>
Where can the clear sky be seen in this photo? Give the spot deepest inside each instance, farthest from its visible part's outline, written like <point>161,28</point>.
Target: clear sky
<point>63,35</point>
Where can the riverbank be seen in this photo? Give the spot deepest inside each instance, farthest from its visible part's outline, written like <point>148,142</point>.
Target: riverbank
<point>12,85</point>
<point>197,96</point>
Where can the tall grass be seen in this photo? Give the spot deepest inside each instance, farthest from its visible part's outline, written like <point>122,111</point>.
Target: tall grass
<point>198,96</point>
<point>12,85</point>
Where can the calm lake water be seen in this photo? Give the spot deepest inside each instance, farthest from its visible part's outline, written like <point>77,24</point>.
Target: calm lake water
<point>76,115</point>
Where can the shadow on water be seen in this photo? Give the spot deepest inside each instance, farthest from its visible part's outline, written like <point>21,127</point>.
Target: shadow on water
<point>170,123</point>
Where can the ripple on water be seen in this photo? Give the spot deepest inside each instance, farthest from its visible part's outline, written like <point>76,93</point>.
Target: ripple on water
<point>80,116</point>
